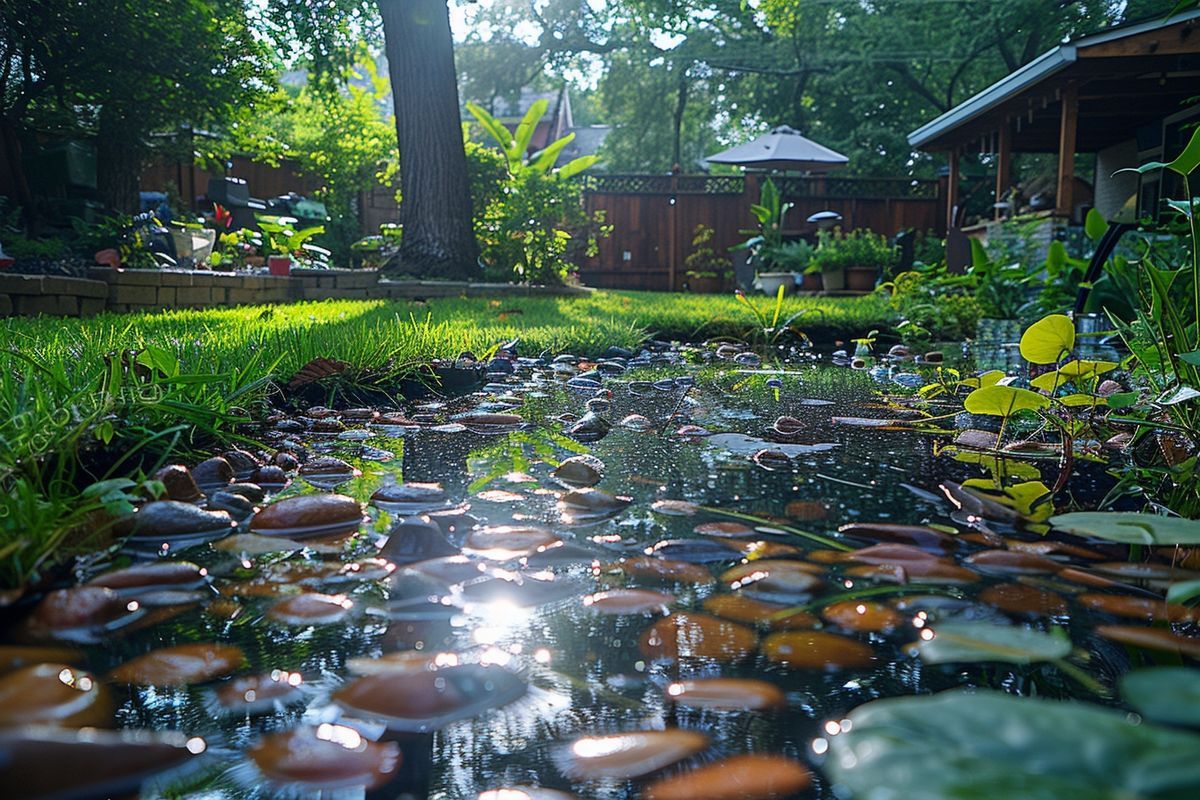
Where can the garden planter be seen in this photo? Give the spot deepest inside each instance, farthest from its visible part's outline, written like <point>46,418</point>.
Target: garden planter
<point>861,279</point>
<point>771,281</point>
<point>833,280</point>
<point>255,261</point>
<point>706,285</point>
<point>811,282</point>
<point>279,265</point>
<point>1004,331</point>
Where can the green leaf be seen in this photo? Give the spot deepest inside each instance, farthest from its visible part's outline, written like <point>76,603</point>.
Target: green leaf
<point>1183,591</point>
<point>1003,401</point>
<point>959,642</point>
<point>1129,527</point>
<point>1048,340</point>
<point>1056,257</point>
<point>1095,225</point>
<point>1192,358</point>
<point>1185,163</point>
<point>544,159</point>
<point>979,256</point>
<point>1164,694</point>
<point>577,165</point>
<point>1078,400</point>
<point>1122,400</point>
<point>987,745</point>
<point>525,129</point>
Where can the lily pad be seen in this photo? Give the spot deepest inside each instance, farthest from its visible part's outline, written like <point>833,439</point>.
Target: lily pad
<point>1128,527</point>
<point>961,744</point>
<point>1003,401</point>
<point>1048,340</point>
<point>960,642</point>
<point>1165,694</point>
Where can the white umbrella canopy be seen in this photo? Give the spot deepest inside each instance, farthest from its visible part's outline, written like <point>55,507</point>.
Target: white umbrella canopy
<point>782,148</point>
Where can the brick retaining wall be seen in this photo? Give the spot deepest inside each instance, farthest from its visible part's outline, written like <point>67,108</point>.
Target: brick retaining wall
<point>107,289</point>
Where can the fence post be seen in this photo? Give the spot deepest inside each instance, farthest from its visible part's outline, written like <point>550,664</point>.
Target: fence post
<point>673,228</point>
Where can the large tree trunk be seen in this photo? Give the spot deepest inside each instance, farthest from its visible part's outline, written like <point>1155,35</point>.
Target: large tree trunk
<point>435,207</point>
<point>118,162</point>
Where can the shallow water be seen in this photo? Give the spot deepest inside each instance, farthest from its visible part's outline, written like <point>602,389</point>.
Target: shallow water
<point>586,670</point>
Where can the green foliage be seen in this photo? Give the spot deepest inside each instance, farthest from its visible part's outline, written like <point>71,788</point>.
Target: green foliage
<point>703,261</point>
<point>795,256</point>
<point>283,239</point>
<point>769,213</point>
<point>858,248</point>
<point>535,226</point>
<point>933,303</point>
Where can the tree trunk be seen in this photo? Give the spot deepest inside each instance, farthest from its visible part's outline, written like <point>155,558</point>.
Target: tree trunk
<point>435,207</point>
<point>118,163</point>
<point>11,137</point>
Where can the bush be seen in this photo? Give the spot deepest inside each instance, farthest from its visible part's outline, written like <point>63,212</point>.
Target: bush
<point>859,248</point>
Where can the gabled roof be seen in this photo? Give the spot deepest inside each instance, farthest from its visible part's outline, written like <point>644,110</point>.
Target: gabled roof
<point>1060,61</point>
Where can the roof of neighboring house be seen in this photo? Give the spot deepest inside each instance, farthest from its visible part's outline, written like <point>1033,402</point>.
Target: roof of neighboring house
<point>588,141</point>
<point>1163,52</point>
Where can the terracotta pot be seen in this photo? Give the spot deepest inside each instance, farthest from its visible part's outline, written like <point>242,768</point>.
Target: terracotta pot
<point>255,261</point>
<point>706,285</point>
<point>811,282</point>
<point>279,265</point>
<point>861,279</point>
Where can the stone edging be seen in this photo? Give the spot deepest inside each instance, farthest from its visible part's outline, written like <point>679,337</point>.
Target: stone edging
<point>123,290</point>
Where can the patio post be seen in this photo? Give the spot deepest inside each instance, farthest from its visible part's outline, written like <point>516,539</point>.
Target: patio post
<point>952,190</point>
<point>1065,195</point>
<point>1003,164</point>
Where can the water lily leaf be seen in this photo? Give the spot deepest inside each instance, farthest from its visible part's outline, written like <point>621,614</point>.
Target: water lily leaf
<point>1003,401</point>
<point>1164,694</point>
<point>1177,395</point>
<point>964,745</point>
<point>1128,527</point>
<point>1183,591</point>
<point>985,379</point>
<point>1048,340</point>
<point>998,465</point>
<point>1095,225</point>
<point>1075,400</point>
<point>1122,400</point>
<point>958,642</point>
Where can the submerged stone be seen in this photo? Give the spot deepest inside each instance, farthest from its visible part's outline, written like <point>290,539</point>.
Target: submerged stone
<point>415,539</point>
<point>921,536</point>
<point>664,569</point>
<point>584,471</point>
<point>153,576</point>
<point>754,776</point>
<point>1009,563</point>
<point>817,650</point>
<point>311,608</point>
<point>1144,608</point>
<point>47,761</point>
<point>629,601</point>
<point>54,694</point>
<point>327,472</point>
<point>1016,598</point>
<point>180,665</point>
<point>740,608</point>
<point>427,701</point>
<point>309,515</point>
<point>503,542</point>
<point>258,694</point>
<point>325,758</point>
<point>694,551</point>
<point>863,616</point>
<point>734,694</point>
<point>691,635</point>
<point>1152,639</point>
<point>410,497</point>
<point>622,756</point>
<point>83,613</point>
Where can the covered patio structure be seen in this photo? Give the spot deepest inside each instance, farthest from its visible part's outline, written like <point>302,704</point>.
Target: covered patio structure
<point>1122,94</point>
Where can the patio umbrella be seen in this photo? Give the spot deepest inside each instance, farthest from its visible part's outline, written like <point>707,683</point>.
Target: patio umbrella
<point>782,148</point>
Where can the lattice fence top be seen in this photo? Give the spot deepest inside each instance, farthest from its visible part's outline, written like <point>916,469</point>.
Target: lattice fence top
<point>793,187</point>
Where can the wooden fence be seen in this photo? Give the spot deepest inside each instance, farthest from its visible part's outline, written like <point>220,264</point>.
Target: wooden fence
<point>654,217</point>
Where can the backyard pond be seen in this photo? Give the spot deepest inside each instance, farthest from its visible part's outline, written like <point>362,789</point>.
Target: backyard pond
<point>663,575</point>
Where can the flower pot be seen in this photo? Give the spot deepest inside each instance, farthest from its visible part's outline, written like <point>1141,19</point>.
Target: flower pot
<point>709,284</point>
<point>255,261</point>
<point>771,281</point>
<point>811,282</point>
<point>833,280</point>
<point>279,265</point>
<point>861,279</point>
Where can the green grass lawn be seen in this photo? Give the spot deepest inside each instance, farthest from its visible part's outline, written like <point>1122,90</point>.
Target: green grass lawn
<point>83,401</point>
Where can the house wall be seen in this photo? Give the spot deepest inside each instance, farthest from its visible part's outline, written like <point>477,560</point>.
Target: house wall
<point>1116,194</point>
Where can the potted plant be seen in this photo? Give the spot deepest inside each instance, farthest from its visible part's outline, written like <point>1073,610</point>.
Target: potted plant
<point>283,243</point>
<point>794,257</point>
<point>707,271</point>
<point>852,260</point>
<point>769,212</point>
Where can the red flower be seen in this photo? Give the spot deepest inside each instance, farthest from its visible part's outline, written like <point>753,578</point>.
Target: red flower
<point>223,217</point>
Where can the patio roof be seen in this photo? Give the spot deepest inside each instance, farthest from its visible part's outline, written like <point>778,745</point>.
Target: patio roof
<point>1126,76</point>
